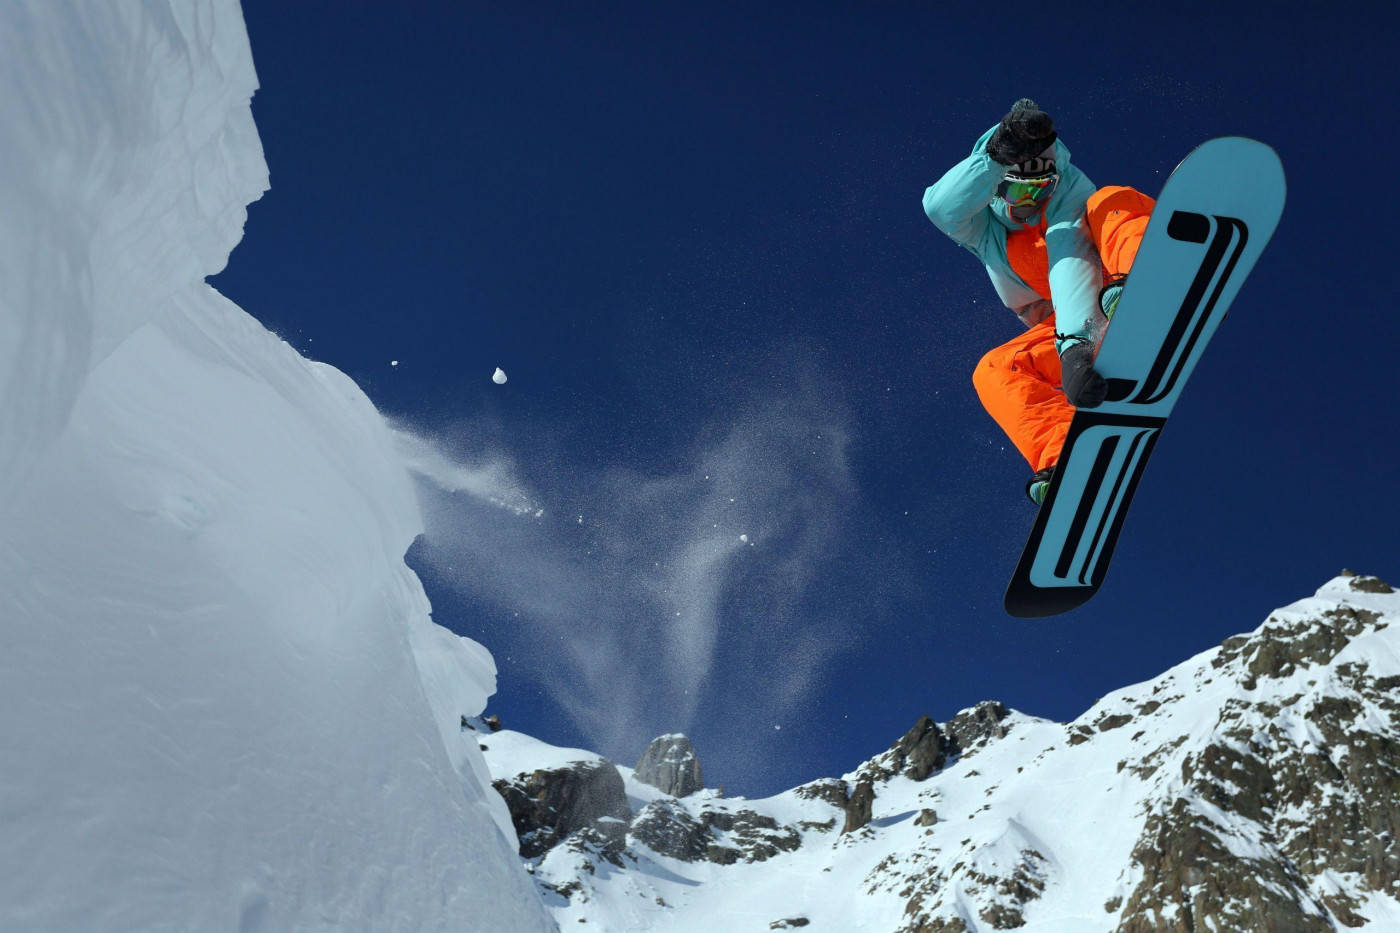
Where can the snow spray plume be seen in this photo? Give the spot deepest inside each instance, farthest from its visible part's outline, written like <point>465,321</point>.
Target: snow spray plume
<point>643,599</point>
<point>493,482</point>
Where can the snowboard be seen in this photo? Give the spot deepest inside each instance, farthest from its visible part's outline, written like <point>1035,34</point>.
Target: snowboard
<point>1212,220</point>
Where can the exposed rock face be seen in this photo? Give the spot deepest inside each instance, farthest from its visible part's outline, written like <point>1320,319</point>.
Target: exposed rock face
<point>1254,788</point>
<point>1312,785</point>
<point>859,807</point>
<point>927,748</point>
<point>921,751</point>
<point>582,811</point>
<point>973,728</point>
<point>1365,584</point>
<point>718,835</point>
<point>746,835</point>
<point>1281,818</point>
<point>671,765</point>
<point>830,790</point>
<point>667,829</point>
<point>585,798</point>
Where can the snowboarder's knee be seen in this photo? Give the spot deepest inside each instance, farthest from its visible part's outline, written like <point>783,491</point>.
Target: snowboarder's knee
<point>987,375</point>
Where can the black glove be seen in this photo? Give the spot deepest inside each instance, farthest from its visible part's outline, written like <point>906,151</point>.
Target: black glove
<point>1083,386</point>
<point>1024,133</point>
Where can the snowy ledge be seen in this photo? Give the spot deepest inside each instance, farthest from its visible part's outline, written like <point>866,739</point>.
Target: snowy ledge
<point>224,702</point>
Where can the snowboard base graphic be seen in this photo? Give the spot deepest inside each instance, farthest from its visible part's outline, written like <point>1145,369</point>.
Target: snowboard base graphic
<point>1211,222</point>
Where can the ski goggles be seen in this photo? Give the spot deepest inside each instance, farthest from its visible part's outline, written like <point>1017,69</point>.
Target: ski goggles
<point>1019,192</point>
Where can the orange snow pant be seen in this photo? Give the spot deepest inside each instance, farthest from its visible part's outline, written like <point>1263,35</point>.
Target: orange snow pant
<point>1019,381</point>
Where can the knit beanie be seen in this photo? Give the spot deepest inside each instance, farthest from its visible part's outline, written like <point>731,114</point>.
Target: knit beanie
<point>1037,167</point>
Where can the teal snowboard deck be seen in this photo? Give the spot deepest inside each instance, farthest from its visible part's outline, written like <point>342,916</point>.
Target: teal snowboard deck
<point>1212,220</point>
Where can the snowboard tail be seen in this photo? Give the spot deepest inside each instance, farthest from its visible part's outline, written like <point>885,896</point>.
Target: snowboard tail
<point>1078,525</point>
<point>1213,219</point>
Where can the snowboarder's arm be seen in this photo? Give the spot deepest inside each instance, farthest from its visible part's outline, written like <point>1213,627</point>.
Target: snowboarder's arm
<point>1075,273</point>
<point>957,202</point>
<point>1036,311</point>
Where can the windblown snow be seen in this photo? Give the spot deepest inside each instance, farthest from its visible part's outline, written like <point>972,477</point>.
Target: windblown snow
<point>223,702</point>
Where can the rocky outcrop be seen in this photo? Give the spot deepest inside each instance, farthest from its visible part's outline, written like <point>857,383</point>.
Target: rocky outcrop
<point>583,808</point>
<point>973,728</point>
<point>921,751</point>
<point>860,807</point>
<point>1255,787</point>
<point>746,835</point>
<point>830,790</point>
<point>1311,786</point>
<point>1364,584</point>
<point>928,748</point>
<point>665,827</point>
<point>1191,875</point>
<point>586,799</point>
<point>918,753</point>
<point>718,835</point>
<point>671,765</point>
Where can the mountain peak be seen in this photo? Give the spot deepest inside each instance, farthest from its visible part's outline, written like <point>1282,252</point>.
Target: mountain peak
<point>671,765</point>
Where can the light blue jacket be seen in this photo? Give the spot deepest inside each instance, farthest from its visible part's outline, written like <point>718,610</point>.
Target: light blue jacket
<point>964,205</point>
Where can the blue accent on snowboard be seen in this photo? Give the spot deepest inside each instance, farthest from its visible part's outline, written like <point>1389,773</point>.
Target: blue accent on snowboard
<point>1212,220</point>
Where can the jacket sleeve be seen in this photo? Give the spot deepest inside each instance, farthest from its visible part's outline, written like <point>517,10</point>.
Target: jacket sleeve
<point>1075,274</point>
<point>957,202</point>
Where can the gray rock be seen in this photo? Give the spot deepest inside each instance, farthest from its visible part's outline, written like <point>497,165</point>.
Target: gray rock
<point>671,765</point>
<point>586,798</point>
<point>973,728</point>
<point>666,828</point>
<point>1327,805</point>
<point>922,750</point>
<point>716,835</point>
<point>1365,584</point>
<point>859,807</point>
<point>748,836</point>
<point>829,790</point>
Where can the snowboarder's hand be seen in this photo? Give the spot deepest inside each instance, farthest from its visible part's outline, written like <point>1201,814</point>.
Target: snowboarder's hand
<point>1084,387</point>
<point>1025,132</point>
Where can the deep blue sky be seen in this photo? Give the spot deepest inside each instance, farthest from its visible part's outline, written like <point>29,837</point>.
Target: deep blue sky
<point>673,225</point>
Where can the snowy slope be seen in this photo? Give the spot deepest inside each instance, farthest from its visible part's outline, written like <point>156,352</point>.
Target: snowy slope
<point>1252,787</point>
<point>222,701</point>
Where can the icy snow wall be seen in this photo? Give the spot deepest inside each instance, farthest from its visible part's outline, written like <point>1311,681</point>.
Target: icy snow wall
<point>223,705</point>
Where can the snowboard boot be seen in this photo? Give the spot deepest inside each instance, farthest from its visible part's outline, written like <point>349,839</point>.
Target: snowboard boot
<point>1109,295</point>
<point>1039,484</point>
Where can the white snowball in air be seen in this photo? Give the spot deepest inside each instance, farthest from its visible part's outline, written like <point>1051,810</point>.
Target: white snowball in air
<point>744,539</point>
<point>499,376</point>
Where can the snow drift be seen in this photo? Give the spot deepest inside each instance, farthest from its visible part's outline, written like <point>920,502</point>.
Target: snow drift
<point>223,704</point>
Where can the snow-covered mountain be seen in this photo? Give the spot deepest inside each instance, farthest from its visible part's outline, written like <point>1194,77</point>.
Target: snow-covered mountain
<point>223,705</point>
<point>1252,788</point>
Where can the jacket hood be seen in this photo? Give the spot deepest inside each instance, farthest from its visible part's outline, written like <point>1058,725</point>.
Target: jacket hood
<point>1002,212</point>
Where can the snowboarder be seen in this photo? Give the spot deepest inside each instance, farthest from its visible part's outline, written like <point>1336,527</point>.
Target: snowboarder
<point>1057,251</point>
